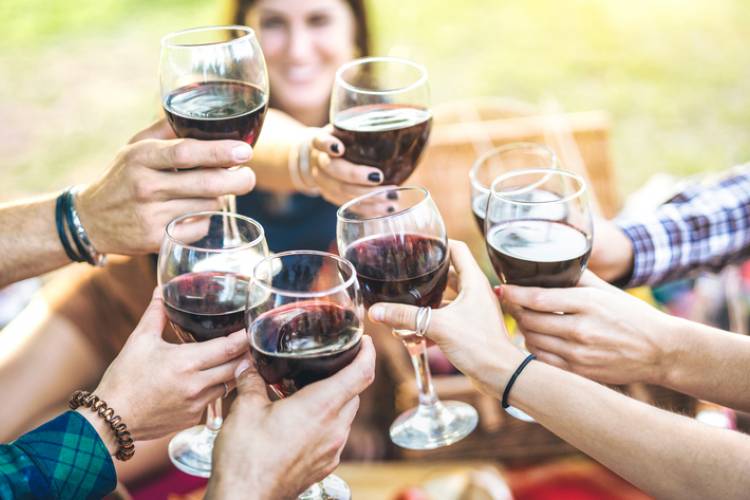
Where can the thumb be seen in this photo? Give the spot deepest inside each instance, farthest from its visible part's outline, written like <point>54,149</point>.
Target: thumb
<point>250,384</point>
<point>157,130</point>
<point>154,319</point>
<point>398,316</point>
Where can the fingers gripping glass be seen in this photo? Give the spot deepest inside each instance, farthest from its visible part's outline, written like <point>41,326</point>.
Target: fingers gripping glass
<point>304,322</point>
<point>396,240</point>
<point>203,274</point>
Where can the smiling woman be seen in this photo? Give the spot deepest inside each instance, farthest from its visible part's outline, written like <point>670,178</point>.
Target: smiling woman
<point>305,41</point>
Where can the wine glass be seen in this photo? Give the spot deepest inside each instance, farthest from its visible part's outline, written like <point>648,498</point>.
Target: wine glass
<point>380,111</point>
<point>214,85</point>
<point>501,160</point>
<point>486,169</point>
<point>203,274</point>
<point>538,230</point>
<point>304,322</point>
<point>396,240</point>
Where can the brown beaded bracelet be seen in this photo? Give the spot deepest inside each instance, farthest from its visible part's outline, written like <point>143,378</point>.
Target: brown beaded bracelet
<point>126,448</point>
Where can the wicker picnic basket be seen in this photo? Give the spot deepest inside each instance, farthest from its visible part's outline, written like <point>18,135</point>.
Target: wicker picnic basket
<point>462,131</point>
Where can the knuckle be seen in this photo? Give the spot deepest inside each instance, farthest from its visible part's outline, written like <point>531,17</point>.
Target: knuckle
<point>180,154</point>
<point>143,190</point>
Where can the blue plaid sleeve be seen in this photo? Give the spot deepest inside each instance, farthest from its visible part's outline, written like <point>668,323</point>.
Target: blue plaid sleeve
<point>705,227</point>
<point>62,459</point>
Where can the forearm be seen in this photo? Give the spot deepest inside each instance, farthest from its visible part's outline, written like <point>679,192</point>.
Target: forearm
<point>666,455</point>
<point>707,363</point>
<point>29,242</point>
<point>280,135</point>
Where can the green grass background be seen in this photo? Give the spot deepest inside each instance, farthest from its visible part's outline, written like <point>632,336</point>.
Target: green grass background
<point>78,78</point>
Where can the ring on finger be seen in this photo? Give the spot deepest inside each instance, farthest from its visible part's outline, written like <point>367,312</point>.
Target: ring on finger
<point>422,323</point>
<point>226,391</point>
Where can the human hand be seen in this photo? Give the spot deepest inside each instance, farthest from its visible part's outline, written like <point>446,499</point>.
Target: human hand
<point>612,252</point>
<point>157,387</point>
<point>339,180</point>
<point>275,450</point>
<point>470,330</point>
<point>605,333</point>
<point>127,209</point>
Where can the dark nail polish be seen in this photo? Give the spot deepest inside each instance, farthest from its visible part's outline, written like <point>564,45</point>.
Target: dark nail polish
<point>392,195</point>
<point>335,148</point>
<point>375,177</point>
<point>391,210</point>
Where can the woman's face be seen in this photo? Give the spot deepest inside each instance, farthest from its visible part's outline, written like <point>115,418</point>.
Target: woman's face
<point>304,42</point>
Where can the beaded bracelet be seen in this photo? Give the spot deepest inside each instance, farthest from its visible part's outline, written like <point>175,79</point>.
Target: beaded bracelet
<point>126,448</point>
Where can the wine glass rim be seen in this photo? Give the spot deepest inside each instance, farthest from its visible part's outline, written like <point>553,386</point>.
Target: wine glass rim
<point>351,280</point>
<point>340,212</point>
<point>366,60</point>
<point>167,43</point>
<point>474,171</point>
<point>525,171</point>
<point>244,246</point>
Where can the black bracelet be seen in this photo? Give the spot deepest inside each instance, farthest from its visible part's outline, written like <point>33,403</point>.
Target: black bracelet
<point>68,210</point>
<point>60,223</point>
<point>513,378</point>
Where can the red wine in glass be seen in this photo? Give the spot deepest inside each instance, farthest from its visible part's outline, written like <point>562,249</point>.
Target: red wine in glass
<point>217,110</point>
<point>205,305</point>
<point>298,344</point>
<point>406,269</point>
<point>390,137</point>
<point>536,252</point>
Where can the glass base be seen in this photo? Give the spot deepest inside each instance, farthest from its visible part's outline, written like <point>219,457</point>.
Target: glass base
<point>519,414</point>
<point>191,450</point>
<point>427,427</point>
<point>330,488</point>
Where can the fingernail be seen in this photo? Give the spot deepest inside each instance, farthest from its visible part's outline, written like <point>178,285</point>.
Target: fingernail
<point>392,195</point>
<point>376,177</point>
<point>377,313</point>
<point>244,365</point>
<point>391,209</point>
<point>499,292</point>
<point>242,153</point>
<point>335,148</point>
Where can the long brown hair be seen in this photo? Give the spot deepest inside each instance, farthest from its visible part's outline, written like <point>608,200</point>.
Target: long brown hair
<point>240,8</point>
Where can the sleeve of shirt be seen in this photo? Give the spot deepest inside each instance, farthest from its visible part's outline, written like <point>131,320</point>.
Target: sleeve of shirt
<point>62,459</point>
<point>703,228</point>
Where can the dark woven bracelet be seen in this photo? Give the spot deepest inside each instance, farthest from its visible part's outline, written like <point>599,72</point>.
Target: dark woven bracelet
<point>126,447</point>
<point>68,211</point>
<point>60,224</point>
<point>513,378</point>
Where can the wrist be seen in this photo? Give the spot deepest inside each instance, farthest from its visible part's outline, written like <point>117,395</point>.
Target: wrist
<point>504,362</point>
<point>102,428</point>
<point>671,349</point>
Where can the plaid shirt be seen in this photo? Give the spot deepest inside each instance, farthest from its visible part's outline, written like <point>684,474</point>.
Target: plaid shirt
<point>704,227</point>
<point>64,458</point>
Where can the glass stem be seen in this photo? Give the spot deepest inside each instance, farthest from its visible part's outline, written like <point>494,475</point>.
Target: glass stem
<point>417,348</point>
<point>214,416</point>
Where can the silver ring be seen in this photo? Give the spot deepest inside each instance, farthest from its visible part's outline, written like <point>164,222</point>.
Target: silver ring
<point>424,315</point>
<point>226,391</point>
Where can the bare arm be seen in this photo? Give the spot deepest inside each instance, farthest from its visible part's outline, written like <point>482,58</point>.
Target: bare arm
<point>610,336</point>
<point>29,243</point>
<point>666,455</point>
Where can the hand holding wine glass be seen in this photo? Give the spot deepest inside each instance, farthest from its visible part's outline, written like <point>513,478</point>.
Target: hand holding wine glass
<point>314,423</point>
<point>304,322</point>
<point>470,330</point>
